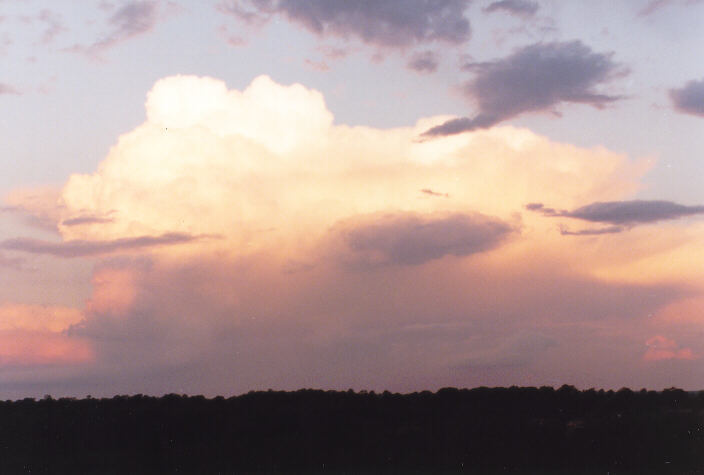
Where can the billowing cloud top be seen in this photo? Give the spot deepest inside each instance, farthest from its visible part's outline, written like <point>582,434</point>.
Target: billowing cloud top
<point>534,78</point>
<point>266,168</point>
<point>394,23</point>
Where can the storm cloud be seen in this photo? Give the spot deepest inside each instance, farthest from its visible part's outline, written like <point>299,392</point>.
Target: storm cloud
<point>621,213</point>
<point>534,78</point>
<point>394,23</point>
<point>412,239</point>
<point>690,98</point>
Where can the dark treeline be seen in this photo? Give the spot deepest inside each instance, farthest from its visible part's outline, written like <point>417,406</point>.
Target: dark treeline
<point>481,430</point>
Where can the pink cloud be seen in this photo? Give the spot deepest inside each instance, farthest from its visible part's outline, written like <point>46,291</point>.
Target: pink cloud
<point>662,348</point>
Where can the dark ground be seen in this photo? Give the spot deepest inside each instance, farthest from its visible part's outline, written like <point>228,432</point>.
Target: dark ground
<point>477,431</point>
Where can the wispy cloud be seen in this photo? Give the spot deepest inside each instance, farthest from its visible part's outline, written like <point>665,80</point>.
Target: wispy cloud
<point>535,78</point>
<point>81,248</point>
<point>689,98</point>
<point>133,19</point>
<point>620,214</point>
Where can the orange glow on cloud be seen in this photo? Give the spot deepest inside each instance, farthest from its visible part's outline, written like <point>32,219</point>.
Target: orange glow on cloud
<point>662,348</point>
<point>24,348</point>
<point>114,291</point>
<point>34,335</point>
<point>266,169</point>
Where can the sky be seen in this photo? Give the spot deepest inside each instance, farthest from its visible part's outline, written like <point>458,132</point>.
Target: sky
<point>213,197</point>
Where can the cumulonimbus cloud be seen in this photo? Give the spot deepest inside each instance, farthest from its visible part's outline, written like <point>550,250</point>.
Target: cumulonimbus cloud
<point>295,197</point>
<point>534,78</point>
<point>391,23</point>
<point>689,99</point>
<point>621,213</point>
<point>522,8</point>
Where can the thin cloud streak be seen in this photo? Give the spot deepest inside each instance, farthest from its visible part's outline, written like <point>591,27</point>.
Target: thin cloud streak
<point>80,248</point>
<point>621,213</point>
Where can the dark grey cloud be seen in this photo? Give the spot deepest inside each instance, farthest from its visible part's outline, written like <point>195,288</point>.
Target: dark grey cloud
<point>621,213</point>
<point>534,78</point>
<point>424,62</point>
<point>130,20</point>
<point>7,89</point>
<point>81,248</point>
<point>389,23</point>
<point>690,98</point>
<point>411,239</point>
<point>523,8</point>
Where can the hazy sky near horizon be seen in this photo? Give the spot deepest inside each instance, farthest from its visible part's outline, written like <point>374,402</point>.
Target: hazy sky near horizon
<point>213,197</point>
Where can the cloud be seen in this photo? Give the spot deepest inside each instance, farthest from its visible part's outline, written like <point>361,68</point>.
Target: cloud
<point>534,78</point>
<point>392,23</point>
<point>7,89</point>
<point>690,98</point>
<point>132,19</point>
<point>522,8</point>
<point>34,335</point>
<point>411,239</point>
<point>79,248</point>
<point>334,269</point>
<point>662,348</point>
<point>16,263</point>
<point>54,25</point>
<point>622,213</point>
<point>655,5</point>
<point>37,317</point>
<point>592,232</point>
<point>317,65</point>
<point>83,220</point>
<point>428,191</point>
<point>424,62</point>
<point>39,207</point>
<point>515,351</point>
